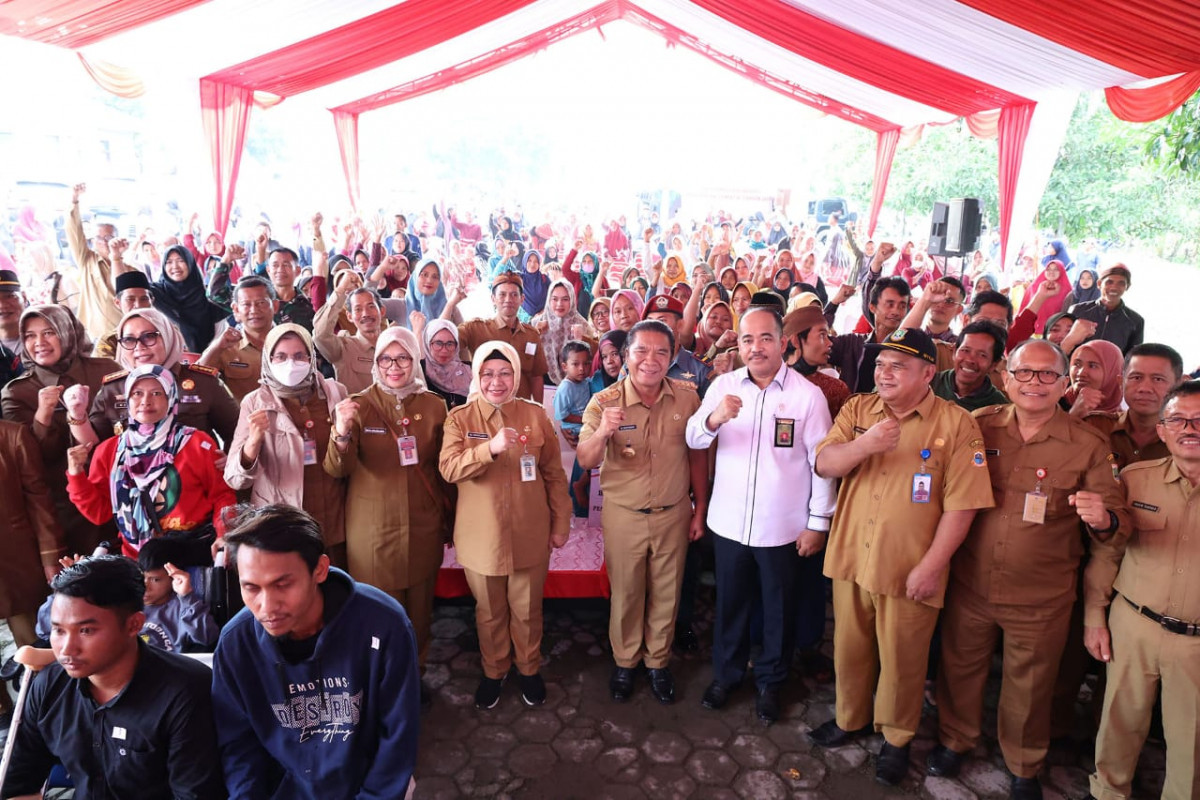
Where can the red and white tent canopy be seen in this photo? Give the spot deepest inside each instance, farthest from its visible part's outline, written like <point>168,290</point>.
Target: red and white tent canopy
<point>1012,66</point>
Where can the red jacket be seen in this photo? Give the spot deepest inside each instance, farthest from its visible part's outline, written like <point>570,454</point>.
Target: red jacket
<point>203,491</point>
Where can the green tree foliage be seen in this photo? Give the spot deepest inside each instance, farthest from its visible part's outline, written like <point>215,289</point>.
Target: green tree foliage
<point>1176,146</point>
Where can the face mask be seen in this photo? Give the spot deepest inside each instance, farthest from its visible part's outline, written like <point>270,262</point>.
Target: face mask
<point>290,373</point>
<point>588,266</point>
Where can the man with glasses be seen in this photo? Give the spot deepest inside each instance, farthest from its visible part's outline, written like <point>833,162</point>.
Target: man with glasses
<point>133,292</point>
<point>1151,638</point>
<point>352,354</point>
<point>237,353</point>
<point>1013,579</point>
<point>937,306</point>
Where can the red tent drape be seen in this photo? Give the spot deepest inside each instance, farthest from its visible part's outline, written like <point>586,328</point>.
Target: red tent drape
<point>885,151</point>
<point>1014,129</point>
<point>78,23</point>
<point>1152,102</point>
<point>346,124</point>
<point>226,114</point>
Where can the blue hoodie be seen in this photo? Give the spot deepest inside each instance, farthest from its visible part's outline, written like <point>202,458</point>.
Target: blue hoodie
<point>341,724</point>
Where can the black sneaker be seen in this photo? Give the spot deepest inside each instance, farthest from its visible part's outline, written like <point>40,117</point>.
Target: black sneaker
<point>533,689</point>
<point>488,693</point>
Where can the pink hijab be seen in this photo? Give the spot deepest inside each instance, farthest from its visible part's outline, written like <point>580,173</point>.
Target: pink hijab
<point>1113,361</point>
<point>1054,303</point>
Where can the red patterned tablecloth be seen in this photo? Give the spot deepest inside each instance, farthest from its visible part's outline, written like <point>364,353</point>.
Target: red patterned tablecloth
<point>576,568</point>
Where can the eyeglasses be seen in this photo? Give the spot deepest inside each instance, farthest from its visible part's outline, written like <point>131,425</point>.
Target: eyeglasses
<point>1181,424</point>
<point>147,340</point>
<point>1043,375</point>
<point>250,305</point>
<point>504,374</point>
<point>387,362</point>
<point>283,358</point>
<point>449,344</point>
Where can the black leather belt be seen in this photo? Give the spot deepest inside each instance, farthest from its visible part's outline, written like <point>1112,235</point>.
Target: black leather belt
<point>1168,623</point>
<point>655,510</point>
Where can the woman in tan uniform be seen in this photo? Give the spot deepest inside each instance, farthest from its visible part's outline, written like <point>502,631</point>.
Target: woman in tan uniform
<point>513,508</point>
<point>386,441</point>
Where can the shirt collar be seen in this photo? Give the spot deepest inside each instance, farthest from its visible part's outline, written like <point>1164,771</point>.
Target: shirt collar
<point>1057,427</point>
<point>83,686</point>
<point>630,397</point>
<point>779,380</point>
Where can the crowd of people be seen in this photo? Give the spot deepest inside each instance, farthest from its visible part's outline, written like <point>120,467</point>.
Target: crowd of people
<point>978,463</point>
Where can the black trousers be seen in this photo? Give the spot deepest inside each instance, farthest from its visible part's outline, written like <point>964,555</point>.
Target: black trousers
<point>742,573</point>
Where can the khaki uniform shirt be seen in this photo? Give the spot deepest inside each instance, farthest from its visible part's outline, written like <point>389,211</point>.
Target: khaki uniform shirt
<point>106,346</point>
<point>395,515</point>
<point>1121,441</point>
<point>1156,566</point>
<point>504,524</point>
<point>204,403</point>
<point>352,356</point>
<point>96,309</point>
<point>1013,562</point>
<point>879,534</point>
<point>525,340</point>
<point>241,368</point>
<point>657,474</point>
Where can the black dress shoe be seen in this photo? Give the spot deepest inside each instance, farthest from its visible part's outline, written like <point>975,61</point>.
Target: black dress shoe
<point>621,683</point>
<point>830,735</point>
<point>766,705</point>
<point>685,639</point>
<point>1025,789</point>
<point>943,762</point>
<point>662,684</point>
<point>715,696</point>
<point>891,764</point>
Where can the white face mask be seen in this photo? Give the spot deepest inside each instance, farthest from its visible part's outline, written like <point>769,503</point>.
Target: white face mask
<point>290,373</point>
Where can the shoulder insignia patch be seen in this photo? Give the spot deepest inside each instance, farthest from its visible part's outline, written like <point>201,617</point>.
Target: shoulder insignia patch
<point>976,444</point>
<point>115,376</point>
<point>978,459</point>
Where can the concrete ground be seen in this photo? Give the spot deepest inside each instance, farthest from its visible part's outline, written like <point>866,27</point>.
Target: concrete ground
<point>580,744</point>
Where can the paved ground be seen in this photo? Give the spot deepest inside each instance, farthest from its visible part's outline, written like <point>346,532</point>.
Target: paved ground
<point>582,745</point>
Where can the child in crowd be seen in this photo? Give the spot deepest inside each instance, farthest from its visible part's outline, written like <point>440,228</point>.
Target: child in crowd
<point>177,619</point>
<point>570,399</point>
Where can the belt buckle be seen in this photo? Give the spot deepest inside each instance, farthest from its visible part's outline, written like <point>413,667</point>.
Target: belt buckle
<point>1174,625</point>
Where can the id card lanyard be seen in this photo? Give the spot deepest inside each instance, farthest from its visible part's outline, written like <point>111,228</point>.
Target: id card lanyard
<point>1035,501</point>
<point>528,462</point>
<point>310,444</point>
<point>406,444</point>
<point>922,481</point>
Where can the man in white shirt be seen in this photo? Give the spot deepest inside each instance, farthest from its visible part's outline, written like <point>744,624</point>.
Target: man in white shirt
<point>768,507</point>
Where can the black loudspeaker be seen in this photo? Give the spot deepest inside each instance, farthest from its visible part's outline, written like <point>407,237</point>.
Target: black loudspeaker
<point>937,230</point>
<point>963,223</point>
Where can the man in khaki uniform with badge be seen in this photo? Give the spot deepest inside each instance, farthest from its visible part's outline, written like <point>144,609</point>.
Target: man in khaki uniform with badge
<point>237,354</point>
<point>352,354</point>
<point>634,431</point>
<point>1151,639</point>
<point>890,547</point>
<point>1014,576</point>
<point>508,290</point>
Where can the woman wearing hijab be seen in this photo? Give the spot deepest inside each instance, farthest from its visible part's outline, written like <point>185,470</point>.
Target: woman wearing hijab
<point>52,350</point>
<point>1056,250</point>
<point>445,375</point>
<point>805,271</point>
<point>1087,288</point>
<point>146,337</point>
<point>729,278</point>
<point>387,442</point>
<point>158,477</point>
<point>716,333</point>
<point>550,254</point>
<point>1057,328</point>
<point>739,299</point>
<point>180,294</point>
<point>536,283</point>
<point>783,281</point>
<point>427,294</point>
<point>671,272</point>
<point>1095,374</point>
<point>626,309</point>
<point>600,315</point>
<point>1057,289</point>
<point>641,286</point>
<point>283,433</point>
<point>559,324</point>
<point>513,507</point>
<point>609,352</point>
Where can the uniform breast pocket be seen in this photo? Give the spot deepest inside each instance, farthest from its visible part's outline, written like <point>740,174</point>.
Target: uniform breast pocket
<point>1058,493</point>
<point>1146,520</point>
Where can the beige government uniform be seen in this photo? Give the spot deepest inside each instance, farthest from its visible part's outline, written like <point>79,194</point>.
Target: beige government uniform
<point>881,639</point>
<point>352,355</point>
<point>204,403</point>
<point>1015,579</point>
<point>503,525</point>
<point>525,340</point>
<point>646,515</point>
<point>241,368</point>
<point>397,517</point>
<point>1121,442</point>
<point>1155,569</point>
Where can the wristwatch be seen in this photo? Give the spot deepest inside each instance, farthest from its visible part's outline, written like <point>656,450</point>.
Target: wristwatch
<point>1113,524</point>
<point>342,439</point>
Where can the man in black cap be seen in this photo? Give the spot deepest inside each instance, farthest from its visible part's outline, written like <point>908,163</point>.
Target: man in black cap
<point>1115,321</point>
<point>12,303</point>
<point>133,292</point>
<point>913,474</point>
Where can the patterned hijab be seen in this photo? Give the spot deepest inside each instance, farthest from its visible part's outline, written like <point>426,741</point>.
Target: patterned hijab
<point>454,377</point>
<point>408,340</point>
<point>144,479</point>
<point>171,337</point>
<point>558,331</point>
<point>71,339</point>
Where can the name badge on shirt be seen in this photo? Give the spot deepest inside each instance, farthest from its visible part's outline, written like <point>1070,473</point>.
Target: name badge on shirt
<point>920,487</point>
<point>785,432</point>
<point>627,428</point>
<point>530,348</point>
<point>310,452</point>
<point>241,364</point>
<point>473,435</point>
<point>1035,508</point>
<point>374,430</point>
<point>408,450</point>
<point>528,468</point>
<point>191,398</point>
<point>118,732</point>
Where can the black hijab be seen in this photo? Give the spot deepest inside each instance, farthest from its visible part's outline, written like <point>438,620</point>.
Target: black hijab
<point>186,304</point>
